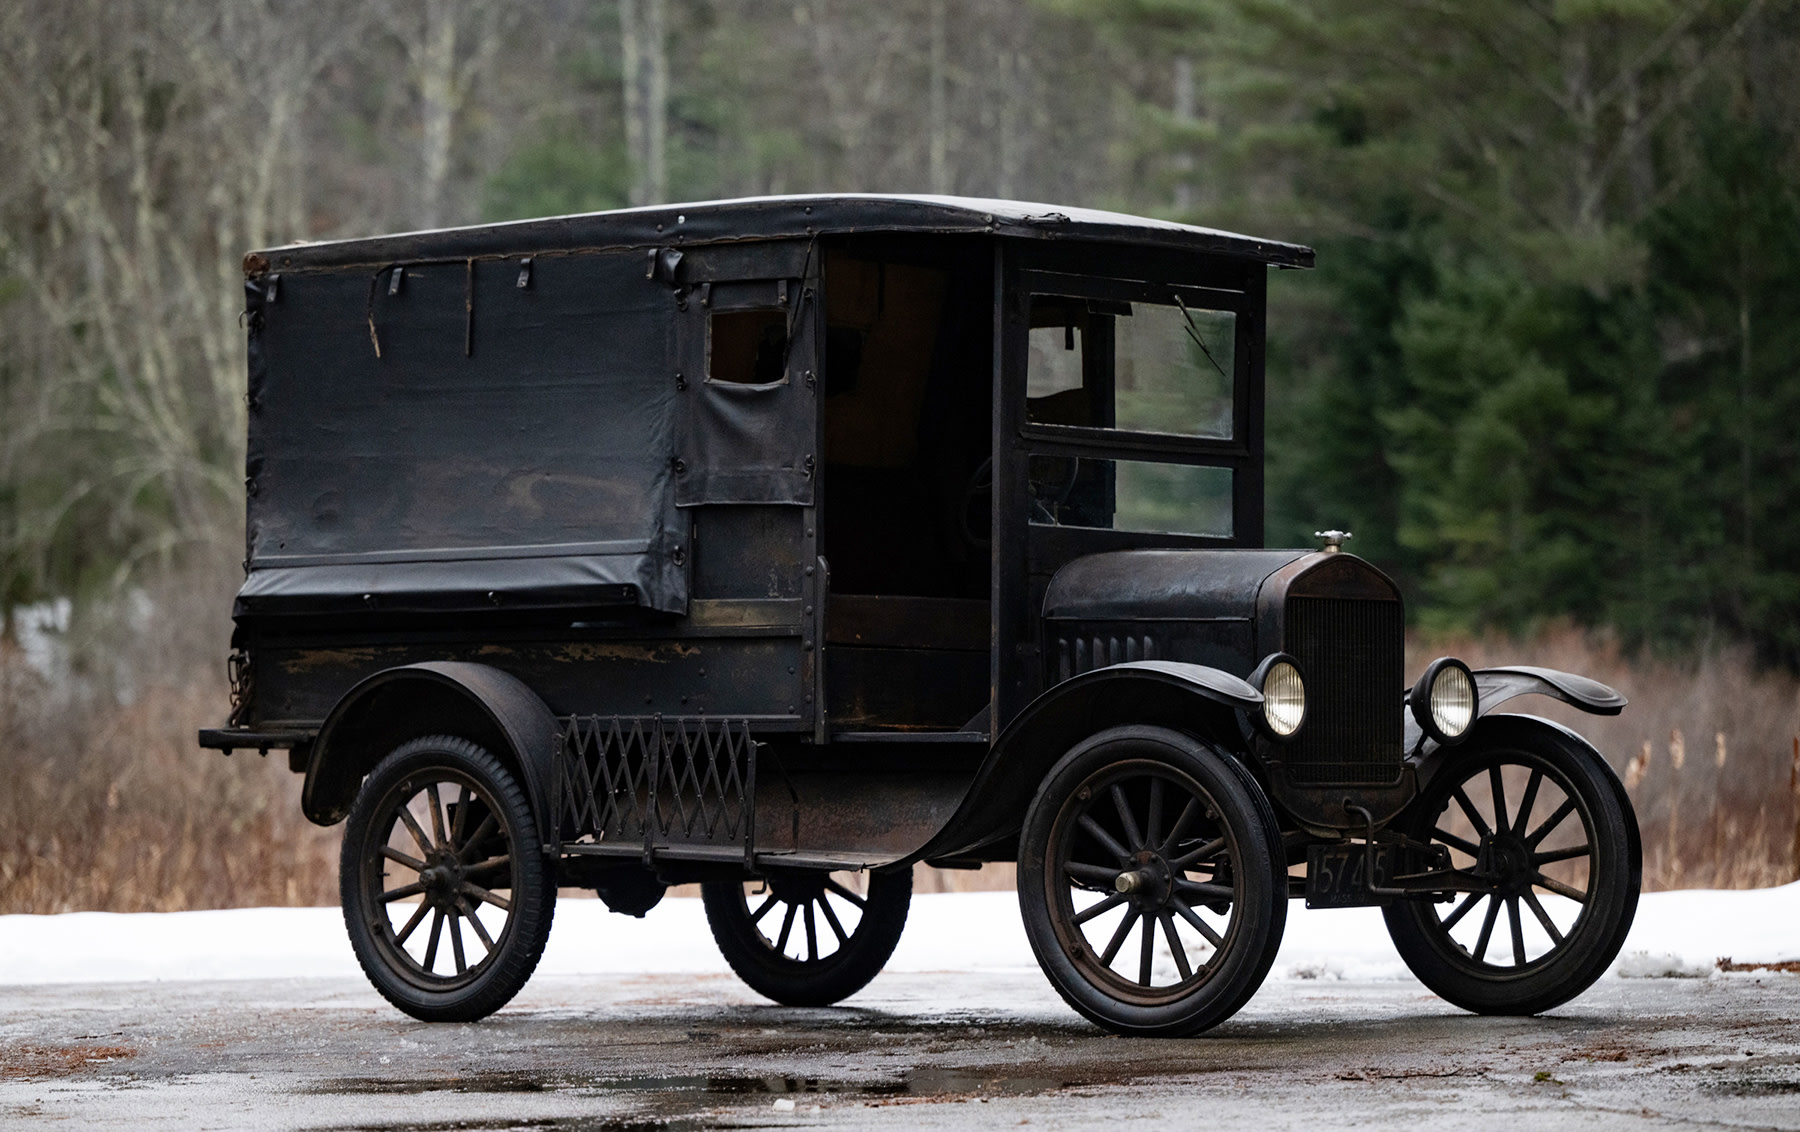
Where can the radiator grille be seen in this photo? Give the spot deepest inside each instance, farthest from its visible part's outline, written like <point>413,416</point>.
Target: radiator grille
<point>1351,654</point>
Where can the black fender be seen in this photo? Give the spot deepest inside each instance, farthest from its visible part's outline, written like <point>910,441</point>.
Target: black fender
<point>472,701</point>
<point>1495,686</point>
<point>1192,698</point>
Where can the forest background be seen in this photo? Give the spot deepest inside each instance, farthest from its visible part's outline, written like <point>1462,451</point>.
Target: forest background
<point>1548,370</point>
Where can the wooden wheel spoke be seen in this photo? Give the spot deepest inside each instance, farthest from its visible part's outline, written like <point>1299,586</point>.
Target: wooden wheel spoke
<point>1176,947</point>
<point>475,923</point>
<point>456,942</point>
<point>1100,907</point>
<point>1528,799</point>
<point>437,813</point>
<point>787,927</point>
<point>1118,939</point>
<point>1543,917</point>
<point>484,896</point>
<point>852,897</point>
<point>412,827</point>
<point>1106,840</point>
<point>1198,891</point>
<point>763,909</point>
<point>1551,856</point>
<point>403,891</point>
<point>1487,929</point>
<point>1460,911</point>
<point>1560,888</point>
<point>1456,842</point>
<point>1497,784</point>
<point>1518,931</point>
<point>1098,874</point>
<point>1470,812</point>
<point>489,865</point>
<point>431,945</point>
<point>418,917</point>
<point>462,813</point>
<point>812,932</point>
<point>1550,823</point>
<point>1153,820</point>
<point>1205,929</point>
<point>1133,838</point>
<point>831,920</point>
<point>1194,856</point>
<point>1147,951</point>
<point>487,826</point>
<point>396,855</point>
<point>1179,829</point>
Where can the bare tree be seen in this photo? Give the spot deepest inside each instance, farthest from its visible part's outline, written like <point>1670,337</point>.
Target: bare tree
<point>643,37</point>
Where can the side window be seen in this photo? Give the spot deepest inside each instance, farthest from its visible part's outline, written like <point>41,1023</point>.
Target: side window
<point>747,428</point>
<point>747,347</point>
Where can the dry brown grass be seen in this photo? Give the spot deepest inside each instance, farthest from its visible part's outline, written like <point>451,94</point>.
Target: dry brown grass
<point>109,806</point>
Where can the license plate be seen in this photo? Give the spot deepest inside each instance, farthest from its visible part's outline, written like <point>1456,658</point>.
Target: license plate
<point>1337,875</point>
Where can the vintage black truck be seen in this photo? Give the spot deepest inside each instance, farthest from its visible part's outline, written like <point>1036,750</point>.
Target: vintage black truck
<point>780,544</point>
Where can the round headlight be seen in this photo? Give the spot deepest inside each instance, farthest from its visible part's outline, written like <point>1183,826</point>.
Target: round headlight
<point>1444,701</point>
<point>1284,698</point>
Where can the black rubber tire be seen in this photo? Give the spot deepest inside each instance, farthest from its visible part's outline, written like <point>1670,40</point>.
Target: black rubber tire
<point>1240,818</point>
<point>1614,872</point>
<point>524,877</point>
<point>761,962</point>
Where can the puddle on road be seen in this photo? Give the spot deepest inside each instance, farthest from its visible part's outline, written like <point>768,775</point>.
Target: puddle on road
<point>913,1083</point>
<point>681,1091</point>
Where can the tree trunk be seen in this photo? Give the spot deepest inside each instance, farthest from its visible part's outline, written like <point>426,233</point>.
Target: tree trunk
<point>642,36</point>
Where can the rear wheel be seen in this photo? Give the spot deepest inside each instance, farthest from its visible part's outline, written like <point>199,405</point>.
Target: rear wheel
<point>1542,826</point>
<point>808,937</point>
<point>447,903</point>
<point>1152,882</point>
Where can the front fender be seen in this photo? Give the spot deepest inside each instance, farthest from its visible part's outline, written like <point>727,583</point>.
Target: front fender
<point>1495,686</point>
<point>1518,730</point>
<point>1188,697</point>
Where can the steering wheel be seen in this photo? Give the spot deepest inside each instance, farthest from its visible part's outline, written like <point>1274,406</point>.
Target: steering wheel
<point>1049,496</point>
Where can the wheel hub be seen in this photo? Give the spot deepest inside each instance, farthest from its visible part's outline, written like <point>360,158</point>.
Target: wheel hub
<point>442,878</point>
<point>1507,860</point>
<point>1150,883</point>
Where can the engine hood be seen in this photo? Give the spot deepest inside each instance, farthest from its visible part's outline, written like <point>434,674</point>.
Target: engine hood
<point>1164,585</point>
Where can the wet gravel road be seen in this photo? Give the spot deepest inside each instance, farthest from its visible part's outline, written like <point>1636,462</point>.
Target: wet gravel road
<point>913,1051</point>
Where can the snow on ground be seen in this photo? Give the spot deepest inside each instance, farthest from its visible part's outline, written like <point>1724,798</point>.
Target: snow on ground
<point>1675,934</point>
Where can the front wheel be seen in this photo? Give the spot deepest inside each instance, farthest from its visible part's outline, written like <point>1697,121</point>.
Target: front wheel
<point>447,901</point>
<point>1152,882</point>
<point>1544,837</point>
<point>808,937</point>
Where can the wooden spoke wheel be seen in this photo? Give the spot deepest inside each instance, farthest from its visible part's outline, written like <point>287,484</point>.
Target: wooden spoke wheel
<point>1152,882</point>
<point>447,902</point>
<point>809,938</point>
<point>1543,837</point>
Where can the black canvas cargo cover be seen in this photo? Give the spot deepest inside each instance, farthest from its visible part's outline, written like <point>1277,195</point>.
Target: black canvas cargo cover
<point>487,417</point>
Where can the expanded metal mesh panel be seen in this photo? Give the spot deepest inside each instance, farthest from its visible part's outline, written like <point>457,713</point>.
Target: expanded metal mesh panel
<point>650,782</point>
<point>1352,655</point>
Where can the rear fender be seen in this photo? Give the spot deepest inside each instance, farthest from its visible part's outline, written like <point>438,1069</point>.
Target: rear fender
<point>1192,698</point>
<point>471,701</point>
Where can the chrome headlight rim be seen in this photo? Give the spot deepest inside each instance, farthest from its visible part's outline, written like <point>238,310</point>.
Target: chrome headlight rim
<point>1283,684</point>
<point>1438,702</point>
